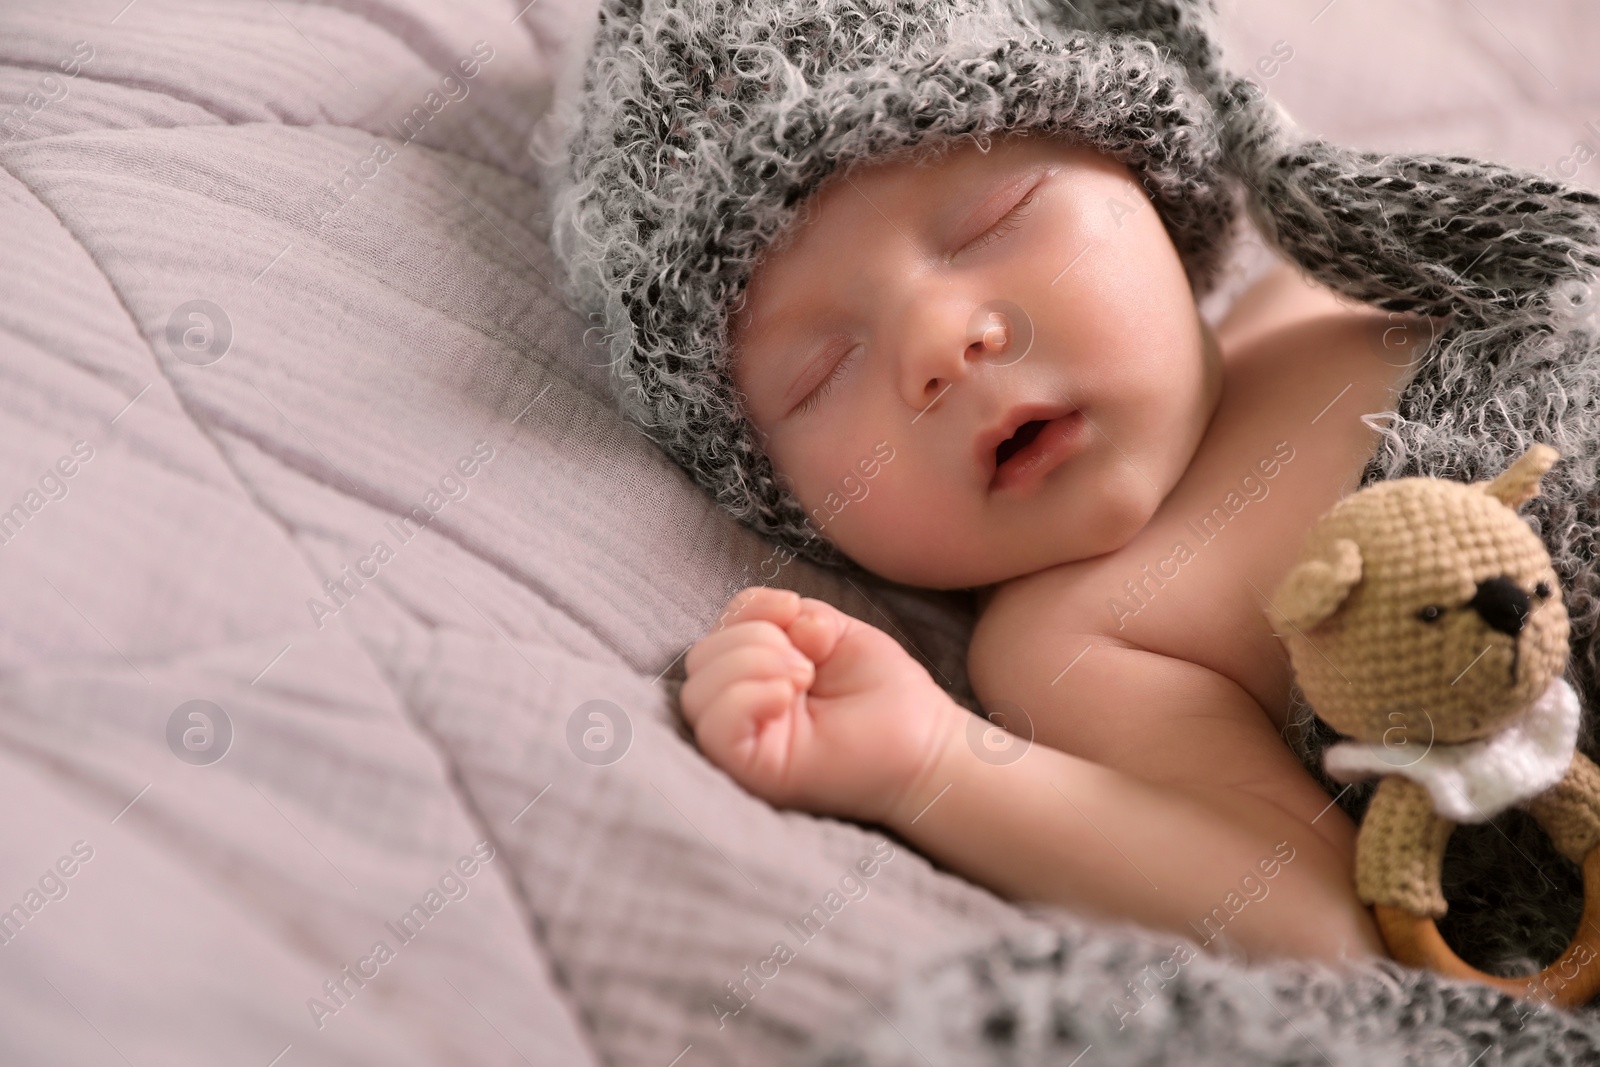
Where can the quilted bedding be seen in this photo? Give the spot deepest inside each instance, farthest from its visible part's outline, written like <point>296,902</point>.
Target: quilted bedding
<point>342,616</point>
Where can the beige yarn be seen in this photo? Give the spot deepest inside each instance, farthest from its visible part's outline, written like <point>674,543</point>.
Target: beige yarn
<point>1354,616</point>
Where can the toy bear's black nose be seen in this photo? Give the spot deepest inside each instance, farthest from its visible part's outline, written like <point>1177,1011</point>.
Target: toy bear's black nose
<point>1501,604</point>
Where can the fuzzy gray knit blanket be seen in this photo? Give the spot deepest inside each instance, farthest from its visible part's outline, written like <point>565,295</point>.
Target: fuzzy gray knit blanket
<point>1512,257</point>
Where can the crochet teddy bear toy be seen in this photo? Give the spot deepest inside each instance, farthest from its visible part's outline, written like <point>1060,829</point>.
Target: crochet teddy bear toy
<point>1425,621</point>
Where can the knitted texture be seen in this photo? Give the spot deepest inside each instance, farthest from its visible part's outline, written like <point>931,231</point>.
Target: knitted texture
<point>1400,849</point>
<point>1404,587</point>
<point>1570,811</point>
<point>1075,996</point>
<point>1473,781</point>
<point>1401,590</point>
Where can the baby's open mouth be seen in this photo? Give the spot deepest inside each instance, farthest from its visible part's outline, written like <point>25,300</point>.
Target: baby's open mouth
<point>1017,441</point>
<point>1037,447</point>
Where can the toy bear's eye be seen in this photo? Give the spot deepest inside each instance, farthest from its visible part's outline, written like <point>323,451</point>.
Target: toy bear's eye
<point>1541,590</point>
<point>1431,613</point>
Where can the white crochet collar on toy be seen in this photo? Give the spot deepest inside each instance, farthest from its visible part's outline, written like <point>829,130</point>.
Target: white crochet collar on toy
<point>1473,781</point>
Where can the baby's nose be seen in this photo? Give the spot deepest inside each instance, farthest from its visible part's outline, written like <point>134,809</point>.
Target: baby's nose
<point>1502,604</point>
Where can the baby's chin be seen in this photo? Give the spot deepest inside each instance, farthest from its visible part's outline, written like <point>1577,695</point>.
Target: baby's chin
<point>1004,554</point>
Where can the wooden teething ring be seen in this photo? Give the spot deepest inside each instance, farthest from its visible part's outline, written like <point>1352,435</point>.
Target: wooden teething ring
<point>1570,981</point>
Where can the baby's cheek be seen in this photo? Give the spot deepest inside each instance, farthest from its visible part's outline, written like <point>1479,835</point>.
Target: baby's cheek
<point>854,488</point>
<point>903,505</point>
<point>841,499</point>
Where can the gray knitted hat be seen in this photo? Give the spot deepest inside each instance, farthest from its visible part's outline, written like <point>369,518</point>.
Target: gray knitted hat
<point>701,125</point>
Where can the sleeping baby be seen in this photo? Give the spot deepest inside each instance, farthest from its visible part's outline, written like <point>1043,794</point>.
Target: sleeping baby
<point>1090,489</point>
<point>957,249</point>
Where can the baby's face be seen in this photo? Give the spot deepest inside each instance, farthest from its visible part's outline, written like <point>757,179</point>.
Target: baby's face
<point>871,334</point>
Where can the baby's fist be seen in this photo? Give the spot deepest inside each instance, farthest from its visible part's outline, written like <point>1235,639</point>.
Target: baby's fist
<point>807,707</point>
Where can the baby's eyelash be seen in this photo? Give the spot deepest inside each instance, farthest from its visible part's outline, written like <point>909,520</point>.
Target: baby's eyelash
<point>817,394</point>
<point>1008,222</point>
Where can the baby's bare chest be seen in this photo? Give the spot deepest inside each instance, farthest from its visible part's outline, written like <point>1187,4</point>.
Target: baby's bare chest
<point>1286,443</point>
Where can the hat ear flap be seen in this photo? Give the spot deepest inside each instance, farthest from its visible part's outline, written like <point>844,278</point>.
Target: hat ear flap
<point>1437,235</point>
<point>1316,588</point>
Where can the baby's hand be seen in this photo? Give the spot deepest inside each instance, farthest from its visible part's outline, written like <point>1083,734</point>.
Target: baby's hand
<point>809,708</point>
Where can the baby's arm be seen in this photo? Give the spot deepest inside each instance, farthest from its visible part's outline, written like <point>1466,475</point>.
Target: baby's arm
<point>1221,866</point>
<point>809,708</point>
<point>1178,767</point>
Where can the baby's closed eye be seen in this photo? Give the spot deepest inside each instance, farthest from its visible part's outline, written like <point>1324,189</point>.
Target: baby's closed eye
<point>1006,223</point>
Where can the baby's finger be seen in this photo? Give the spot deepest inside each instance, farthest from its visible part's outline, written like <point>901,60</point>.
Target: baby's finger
<point>731,731</point>
<point>756,603</point>
<point>756,660</point>
<point>760,602</point>
<point>818,628</point>
<point>718,643</point>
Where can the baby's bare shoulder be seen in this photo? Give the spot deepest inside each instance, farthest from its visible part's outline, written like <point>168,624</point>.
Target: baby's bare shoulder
<point>1283,295</point>
<point>1162,718</point>
<point>1286,297</point>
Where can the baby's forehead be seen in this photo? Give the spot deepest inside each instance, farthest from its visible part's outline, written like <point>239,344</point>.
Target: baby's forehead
<point>928,187</point>
<point>856,200</point>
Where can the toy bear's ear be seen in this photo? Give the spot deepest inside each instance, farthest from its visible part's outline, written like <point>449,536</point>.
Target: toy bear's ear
<point>1313,590</point>
<point>1520,481</point>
